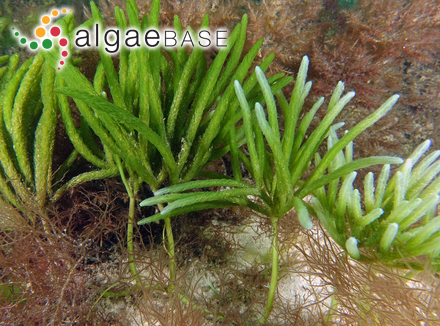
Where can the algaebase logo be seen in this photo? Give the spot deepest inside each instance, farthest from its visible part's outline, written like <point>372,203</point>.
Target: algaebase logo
<point>113,39</point>
<point>47,35</point>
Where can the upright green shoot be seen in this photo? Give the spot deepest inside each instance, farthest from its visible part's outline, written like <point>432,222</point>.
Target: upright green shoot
<point>177,118</point>
<point>29,111</point>
<point>394,221</point>
<point>279,169</point>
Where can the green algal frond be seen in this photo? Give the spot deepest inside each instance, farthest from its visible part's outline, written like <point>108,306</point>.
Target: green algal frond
<point>280,181</point>
<point>399,217</point>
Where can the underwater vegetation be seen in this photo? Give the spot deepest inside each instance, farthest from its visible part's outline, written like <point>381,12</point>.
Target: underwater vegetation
<point>29,118</point>
<point>157,120</point>
<point>402,212</point>
<point>376,48</point>
<point>164,136</point>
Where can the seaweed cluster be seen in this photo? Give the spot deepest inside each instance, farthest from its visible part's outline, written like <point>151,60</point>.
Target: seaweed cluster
<point>377,49</point>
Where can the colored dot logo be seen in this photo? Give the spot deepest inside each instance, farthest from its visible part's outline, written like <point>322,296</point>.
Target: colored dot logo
<point>46,35</point>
